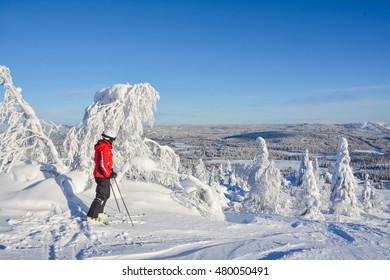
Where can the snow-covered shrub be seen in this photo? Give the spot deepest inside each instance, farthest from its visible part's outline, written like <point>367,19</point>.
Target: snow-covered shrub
<point>195,193</point>
<point>372,201</point>
<point>325,192</point>
<point>343,186</point>
<point>23,138</point>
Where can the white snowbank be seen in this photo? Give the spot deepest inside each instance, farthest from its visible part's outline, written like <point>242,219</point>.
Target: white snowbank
<point>25,173</point>
<point>74,180</point>
<point>41,195</point>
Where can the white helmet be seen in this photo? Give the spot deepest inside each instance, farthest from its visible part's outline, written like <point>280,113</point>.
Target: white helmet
<point>110,134</point>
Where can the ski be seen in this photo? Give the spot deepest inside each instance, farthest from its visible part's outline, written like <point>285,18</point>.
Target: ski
<point>119,219</point>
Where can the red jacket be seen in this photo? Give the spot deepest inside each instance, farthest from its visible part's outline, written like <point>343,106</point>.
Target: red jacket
<point>103,159</point>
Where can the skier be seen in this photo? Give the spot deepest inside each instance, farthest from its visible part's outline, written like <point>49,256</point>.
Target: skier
<point>103,172</point>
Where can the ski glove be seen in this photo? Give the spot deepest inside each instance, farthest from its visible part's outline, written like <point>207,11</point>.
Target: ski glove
<point>113,174</point>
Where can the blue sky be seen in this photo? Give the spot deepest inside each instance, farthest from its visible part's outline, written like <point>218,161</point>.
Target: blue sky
<point>213,62</point>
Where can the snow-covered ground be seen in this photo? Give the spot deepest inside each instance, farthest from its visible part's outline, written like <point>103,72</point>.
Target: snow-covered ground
<point>178,217</point>
<point>42,218</point>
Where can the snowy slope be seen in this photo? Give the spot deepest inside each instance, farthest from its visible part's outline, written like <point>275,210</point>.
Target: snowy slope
<point>376,127</point>
<point>41,217</point>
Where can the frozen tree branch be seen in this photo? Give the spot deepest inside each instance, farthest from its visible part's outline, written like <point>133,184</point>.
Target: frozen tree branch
<point>23,138</point>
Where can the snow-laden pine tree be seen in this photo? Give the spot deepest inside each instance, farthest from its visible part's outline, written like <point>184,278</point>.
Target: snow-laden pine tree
<point>123,108</point>
<point>310,205</point>
<point>343,198</point>
<point>265,181</point>
<point>221,174</point>
<point>316,169</point>
<point>261,159</point>
<point>260,162</point>
<point>22,137</point>
<point>372,201</point>
<point>303,166</point>
<point>200,171</point>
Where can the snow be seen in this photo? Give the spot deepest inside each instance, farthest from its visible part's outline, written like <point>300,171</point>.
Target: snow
<point>111,94</point>
<point>241,212</point>
<point>41,217</point>
<point>376,127</point>
<point>143,163</point>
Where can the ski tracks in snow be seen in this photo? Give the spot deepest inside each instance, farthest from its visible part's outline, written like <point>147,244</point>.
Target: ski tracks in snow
<point>46,235</point>
<point>53,235</point>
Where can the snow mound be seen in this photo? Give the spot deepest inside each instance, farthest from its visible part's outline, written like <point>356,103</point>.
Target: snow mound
<point>41,195</point>
<point>25,173</point>
<point>76,181</point>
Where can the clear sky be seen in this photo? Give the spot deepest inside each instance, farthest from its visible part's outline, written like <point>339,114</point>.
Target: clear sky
<point>213,62</point>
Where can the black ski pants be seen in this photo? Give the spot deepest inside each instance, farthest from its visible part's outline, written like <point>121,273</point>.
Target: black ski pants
<point>102,195</point>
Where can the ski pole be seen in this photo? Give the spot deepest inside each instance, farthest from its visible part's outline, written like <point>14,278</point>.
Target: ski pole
<point>116,200</point>
<point>120,193</point>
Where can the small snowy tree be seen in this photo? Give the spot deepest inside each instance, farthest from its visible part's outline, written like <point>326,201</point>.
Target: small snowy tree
<point>265,180</point>
<point>221,174</point>
<point>343,186</point>
<point>303,166</point>
<point>260,162</point>
<point>23,138</point>
<point>311,200</point>
<point>200,171</point>
<point>372,201</point>
<point>261,159</point>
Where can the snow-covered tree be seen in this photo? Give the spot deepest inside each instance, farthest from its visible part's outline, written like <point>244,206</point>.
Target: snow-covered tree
<point>311,200</point>
<point>372,201</point>
<point>261,159</point>
<point>22,138</point>
<point>123,108</point>
<point>200,171</point>
<point>266,195</point>
<point>260,162</point>
<point>221,174</point>
<point>303,166</point>
<point>343,186</point>
<point>229,167</point>
<point>212,176</point>
<point>232,179</point>
<point>265,180</point>
<point>316,169</point>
